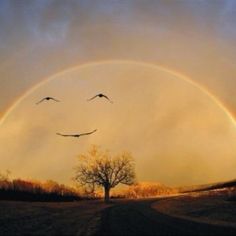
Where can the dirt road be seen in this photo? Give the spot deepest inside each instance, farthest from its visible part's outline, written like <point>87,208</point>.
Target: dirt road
<point>138,218</point>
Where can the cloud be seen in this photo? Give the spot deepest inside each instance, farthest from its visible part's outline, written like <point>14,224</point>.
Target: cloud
<point>40,38</point>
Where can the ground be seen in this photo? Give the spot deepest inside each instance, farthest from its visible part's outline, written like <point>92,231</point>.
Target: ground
<point>216,209</point>
<point>68,218</point>
<point>122,217</point>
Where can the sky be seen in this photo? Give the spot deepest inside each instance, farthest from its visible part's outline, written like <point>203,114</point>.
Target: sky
<point>182,130</point>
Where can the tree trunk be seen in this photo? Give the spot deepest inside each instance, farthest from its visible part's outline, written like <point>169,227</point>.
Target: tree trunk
<point>107,194</point>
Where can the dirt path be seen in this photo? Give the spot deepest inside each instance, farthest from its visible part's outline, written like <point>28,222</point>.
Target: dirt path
<point>138,218</point>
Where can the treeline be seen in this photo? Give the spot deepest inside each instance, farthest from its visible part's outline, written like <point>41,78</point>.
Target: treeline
<point>145,190</point>
<point>138,190</point>
<point>22,190</point>
<point>51,191</point>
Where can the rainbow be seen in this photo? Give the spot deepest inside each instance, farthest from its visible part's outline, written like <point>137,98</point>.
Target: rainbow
<point>147,64</point>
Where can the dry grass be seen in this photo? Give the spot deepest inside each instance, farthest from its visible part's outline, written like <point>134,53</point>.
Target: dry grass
<point>18,218</point>
<point>209,208</point>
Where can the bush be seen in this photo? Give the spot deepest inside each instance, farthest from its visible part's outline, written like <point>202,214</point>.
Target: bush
<point>145,190</point>
<point>23,190</point>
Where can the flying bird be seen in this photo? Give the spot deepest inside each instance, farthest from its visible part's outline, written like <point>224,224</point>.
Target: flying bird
<point>47,99</point>
<point>76,135</point>
<point>100,95</point>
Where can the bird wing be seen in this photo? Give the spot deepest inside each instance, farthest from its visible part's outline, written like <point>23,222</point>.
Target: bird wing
<point>55,100</point>
<point>89,132</point>
<point>107,98</point>
<point>40,101</point>
<point>65,135</point>
<point>92,98</point>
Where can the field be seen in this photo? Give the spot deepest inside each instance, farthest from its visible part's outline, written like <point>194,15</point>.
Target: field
<point>36,218</point>
<point>121,217</point>
<point>209,208</point>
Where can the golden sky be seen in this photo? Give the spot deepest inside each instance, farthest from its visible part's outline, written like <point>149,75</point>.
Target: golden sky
<point>176,131</point>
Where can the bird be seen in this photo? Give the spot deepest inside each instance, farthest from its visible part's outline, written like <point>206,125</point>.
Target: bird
<point>47,99</point>
<point>101,95</point>
<point>76,135</point>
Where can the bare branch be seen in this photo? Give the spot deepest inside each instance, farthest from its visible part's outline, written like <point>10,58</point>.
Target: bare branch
<point>101,169</point>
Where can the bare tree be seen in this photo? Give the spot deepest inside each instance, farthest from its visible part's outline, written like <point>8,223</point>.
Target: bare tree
<point>97,168</point>
<point>5,176</point>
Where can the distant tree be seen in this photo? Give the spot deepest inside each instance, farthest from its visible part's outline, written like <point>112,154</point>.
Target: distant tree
<point>145,190</point>
<point>5,176</point>
<point>101,169</point>
<point>5,182</point>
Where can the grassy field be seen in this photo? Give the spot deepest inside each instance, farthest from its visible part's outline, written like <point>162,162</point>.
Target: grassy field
<point>35,218</point>
<point>214,209</point>
<point>122,217</point>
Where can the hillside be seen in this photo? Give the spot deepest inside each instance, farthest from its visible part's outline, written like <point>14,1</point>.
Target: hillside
<point>208,187</point>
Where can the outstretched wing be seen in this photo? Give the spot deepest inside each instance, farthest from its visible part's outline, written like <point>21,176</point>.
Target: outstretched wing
<point>107,98</point>
<point>65,135</point>
<point>40,101</point>
<point>88,133</point>
<point>55,99</point>
<point>92,98</point>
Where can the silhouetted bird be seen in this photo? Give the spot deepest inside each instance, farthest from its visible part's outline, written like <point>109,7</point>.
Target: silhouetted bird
<point>47,99</point>
<point>100,95</point>
<point>76,135</point>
